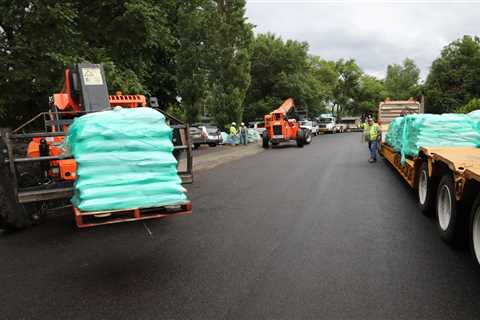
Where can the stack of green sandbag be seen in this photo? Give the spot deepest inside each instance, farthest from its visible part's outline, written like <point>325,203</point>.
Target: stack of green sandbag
<point>394,134</point>
<point>407,134</point>
<point>124,161</point>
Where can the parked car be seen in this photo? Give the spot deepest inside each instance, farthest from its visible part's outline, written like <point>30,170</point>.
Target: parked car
<point>308,132</point>
<point>327,125</point>
<point>210,135</point>
<point>259,126</point>
<point>310,125</point>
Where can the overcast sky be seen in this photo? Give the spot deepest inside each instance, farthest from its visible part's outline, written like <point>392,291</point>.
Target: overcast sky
<point>374,33</point>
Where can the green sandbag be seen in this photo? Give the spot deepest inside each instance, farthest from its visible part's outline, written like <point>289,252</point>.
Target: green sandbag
<point>154,188</point>
<point>125,156</point>
<point>103,144</point>
<point>407,134</point>
<point>125,178</point>
<point>124,161</point>
<point>92,169</point>
<point>394,134</point>
<point>125,202</point>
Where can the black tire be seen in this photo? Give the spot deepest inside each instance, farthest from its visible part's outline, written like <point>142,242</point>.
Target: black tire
<point>212,145</point>
<point>300,138</point>
<point>474,230</point>
<point>265,140</point>
<point>308,137</point>
<point>13,215</point>
<point>196,145</point>
<point>446,209</point>
<point>425,190</point>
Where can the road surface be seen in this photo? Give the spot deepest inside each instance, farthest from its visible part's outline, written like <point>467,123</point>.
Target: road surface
<point>312,233</point>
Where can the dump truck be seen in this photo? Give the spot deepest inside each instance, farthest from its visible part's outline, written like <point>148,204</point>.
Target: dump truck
<point>281,125</point>
<point>390,109</point>
<point>446,181</point>
<point>37,177</point>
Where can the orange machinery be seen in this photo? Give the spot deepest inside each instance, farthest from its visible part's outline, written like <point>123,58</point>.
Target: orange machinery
<point>281,125</point>
<point>66,106</point>
<point>47,174</point>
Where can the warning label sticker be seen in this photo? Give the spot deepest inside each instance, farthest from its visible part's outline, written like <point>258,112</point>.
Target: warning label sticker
<point>92,76</point>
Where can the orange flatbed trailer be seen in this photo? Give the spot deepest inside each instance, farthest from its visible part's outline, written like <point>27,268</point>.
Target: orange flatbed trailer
<point>447,181</point>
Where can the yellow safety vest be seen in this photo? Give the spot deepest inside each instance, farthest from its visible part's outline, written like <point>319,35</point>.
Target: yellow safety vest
<point>371,132</point>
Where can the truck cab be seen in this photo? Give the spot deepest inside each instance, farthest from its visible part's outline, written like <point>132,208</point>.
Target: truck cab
<point>327,124</point>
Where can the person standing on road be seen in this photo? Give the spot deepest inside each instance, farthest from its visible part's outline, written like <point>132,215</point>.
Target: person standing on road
<point>233,134</point>
<point>233,129</point>
<point>243,134</point>
<point>372,134</point>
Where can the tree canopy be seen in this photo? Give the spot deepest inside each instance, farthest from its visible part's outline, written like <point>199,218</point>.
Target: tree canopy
<point>402,81</point>
<point>201,58</point>
<point>282,69</point>
<point>135,42</point>
<point>454,78</point>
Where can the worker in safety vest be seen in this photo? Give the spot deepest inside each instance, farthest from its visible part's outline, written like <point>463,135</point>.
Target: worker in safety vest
<point>372,134</point>
<point>233,134</point>
<point>233,129</point>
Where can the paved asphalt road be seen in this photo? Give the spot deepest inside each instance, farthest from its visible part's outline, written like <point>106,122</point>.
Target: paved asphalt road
<point>312,233</point>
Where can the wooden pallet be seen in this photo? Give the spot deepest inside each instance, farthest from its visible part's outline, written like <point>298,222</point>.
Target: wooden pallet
<point>85,219</point>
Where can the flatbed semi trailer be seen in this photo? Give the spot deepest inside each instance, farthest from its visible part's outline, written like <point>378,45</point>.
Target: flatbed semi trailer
<point>447,182</point>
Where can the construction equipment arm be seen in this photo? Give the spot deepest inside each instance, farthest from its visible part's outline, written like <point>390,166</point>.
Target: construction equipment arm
<point>286,106</point>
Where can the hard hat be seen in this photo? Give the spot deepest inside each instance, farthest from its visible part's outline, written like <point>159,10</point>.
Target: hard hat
<point>234,124</point>
<point>242,124</point>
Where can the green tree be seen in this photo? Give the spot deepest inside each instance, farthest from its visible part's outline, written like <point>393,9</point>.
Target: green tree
<point>229,40</point>
<point>472,105</point>
<point>346,89</point>
<point>32,36</point>
<point>282,69</point>
<point>454,77</point>
<point>402,81</point>
<point>38,38</point>
<point>275,67</point>
<point>191,56</point>
<point>323,79</point>
<point>371,92</point>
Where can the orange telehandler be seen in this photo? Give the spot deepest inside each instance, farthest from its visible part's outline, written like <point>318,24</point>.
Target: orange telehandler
<point>36,176</point>
<point>281,125</point>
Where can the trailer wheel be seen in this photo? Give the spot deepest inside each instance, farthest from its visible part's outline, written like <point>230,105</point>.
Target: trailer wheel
<point>300,138</point>
<point>446,208</point>
<point>474,230</point>
<point>265,142</point>
<point>424,189</point>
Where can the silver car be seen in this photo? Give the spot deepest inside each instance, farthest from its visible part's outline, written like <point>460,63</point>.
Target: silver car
<point>210,135</point>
